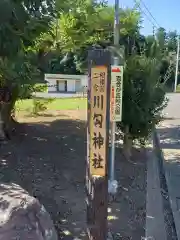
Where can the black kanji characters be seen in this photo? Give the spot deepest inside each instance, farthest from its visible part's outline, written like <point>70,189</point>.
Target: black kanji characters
<point>97,161</point>
<point>118,95</point>
<point>98,105</point>
<point>102,81</point>
<point>101,86</point>
<point>98,120</point>
<point>98,140</point>
<point>98,102</point>
<point>96,88</point>
<point>118,81</point>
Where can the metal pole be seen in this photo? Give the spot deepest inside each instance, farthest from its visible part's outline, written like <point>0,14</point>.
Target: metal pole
<point>113,183</point>
<point>116,27</point>
<point>177,65</point>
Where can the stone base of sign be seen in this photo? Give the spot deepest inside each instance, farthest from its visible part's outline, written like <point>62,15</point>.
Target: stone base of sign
<point>22,216</point>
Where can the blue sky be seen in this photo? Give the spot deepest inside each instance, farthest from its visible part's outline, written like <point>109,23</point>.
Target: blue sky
<point>166,13</point>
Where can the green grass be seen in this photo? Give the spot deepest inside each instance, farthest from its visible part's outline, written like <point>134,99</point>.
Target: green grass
<point>178,88</point>
<point>57,104</point>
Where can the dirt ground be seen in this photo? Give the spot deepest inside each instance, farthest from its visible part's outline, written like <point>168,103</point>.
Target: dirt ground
<point>48,160</point>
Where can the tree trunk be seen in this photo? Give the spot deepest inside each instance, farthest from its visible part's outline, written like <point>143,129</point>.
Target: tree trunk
<point>127,144</point>
<point>7,121</point>
<point>2,135</point>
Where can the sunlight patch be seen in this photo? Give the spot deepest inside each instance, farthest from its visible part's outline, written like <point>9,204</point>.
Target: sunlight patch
<point>169,140</point>
<point>110,218</point>
<point>64,221</point>
<point>40,139</point>
<point>72,149</point>
<point>3,162</point>
<point>67,233</point>
<point>63,137</point>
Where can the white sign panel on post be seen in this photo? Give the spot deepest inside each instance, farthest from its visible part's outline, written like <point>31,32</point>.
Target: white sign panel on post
<point>116,93</point>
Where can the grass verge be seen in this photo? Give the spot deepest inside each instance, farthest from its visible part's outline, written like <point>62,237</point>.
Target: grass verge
<point>58,104</point>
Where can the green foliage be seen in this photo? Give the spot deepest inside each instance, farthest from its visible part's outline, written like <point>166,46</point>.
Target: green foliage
<point>40,105</point>
<point>26,90</point>
<point>55,36</point>
<point>88,24</point>
<point>64,64</point>
<point>19,70</point>
<point>91,24</point>
<point>21,22</point>
<point>38,87</point>
<point>143,97</point>
<point>163,48</point>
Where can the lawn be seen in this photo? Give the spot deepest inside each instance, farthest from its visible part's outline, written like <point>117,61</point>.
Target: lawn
<point>56,104</point>
<point>178,88</point>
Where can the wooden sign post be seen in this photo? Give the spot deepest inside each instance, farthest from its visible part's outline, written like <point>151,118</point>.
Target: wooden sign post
<point>98,143</point>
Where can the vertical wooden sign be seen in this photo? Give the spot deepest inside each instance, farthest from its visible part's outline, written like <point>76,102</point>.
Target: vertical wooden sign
<point>98,143</point>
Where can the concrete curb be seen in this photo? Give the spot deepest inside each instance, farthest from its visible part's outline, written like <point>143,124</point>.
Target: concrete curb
<point>168,204</point>
<point>155,226</point>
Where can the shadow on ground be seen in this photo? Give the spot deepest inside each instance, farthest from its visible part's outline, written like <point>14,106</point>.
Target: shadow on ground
<point>49,162</point>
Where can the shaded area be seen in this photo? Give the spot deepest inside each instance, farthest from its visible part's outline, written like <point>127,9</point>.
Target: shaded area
<point>129,208</point>
<point>48,161</point>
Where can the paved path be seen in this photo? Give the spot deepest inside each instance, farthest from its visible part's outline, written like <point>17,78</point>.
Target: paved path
<point>173,108</point>
<point>155,226</point>
<point>169,134</point>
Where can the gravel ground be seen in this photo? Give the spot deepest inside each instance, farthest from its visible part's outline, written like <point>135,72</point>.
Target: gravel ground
<point>48,160</point>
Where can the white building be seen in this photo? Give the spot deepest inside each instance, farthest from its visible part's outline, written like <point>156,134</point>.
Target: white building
<point>62,83</point>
